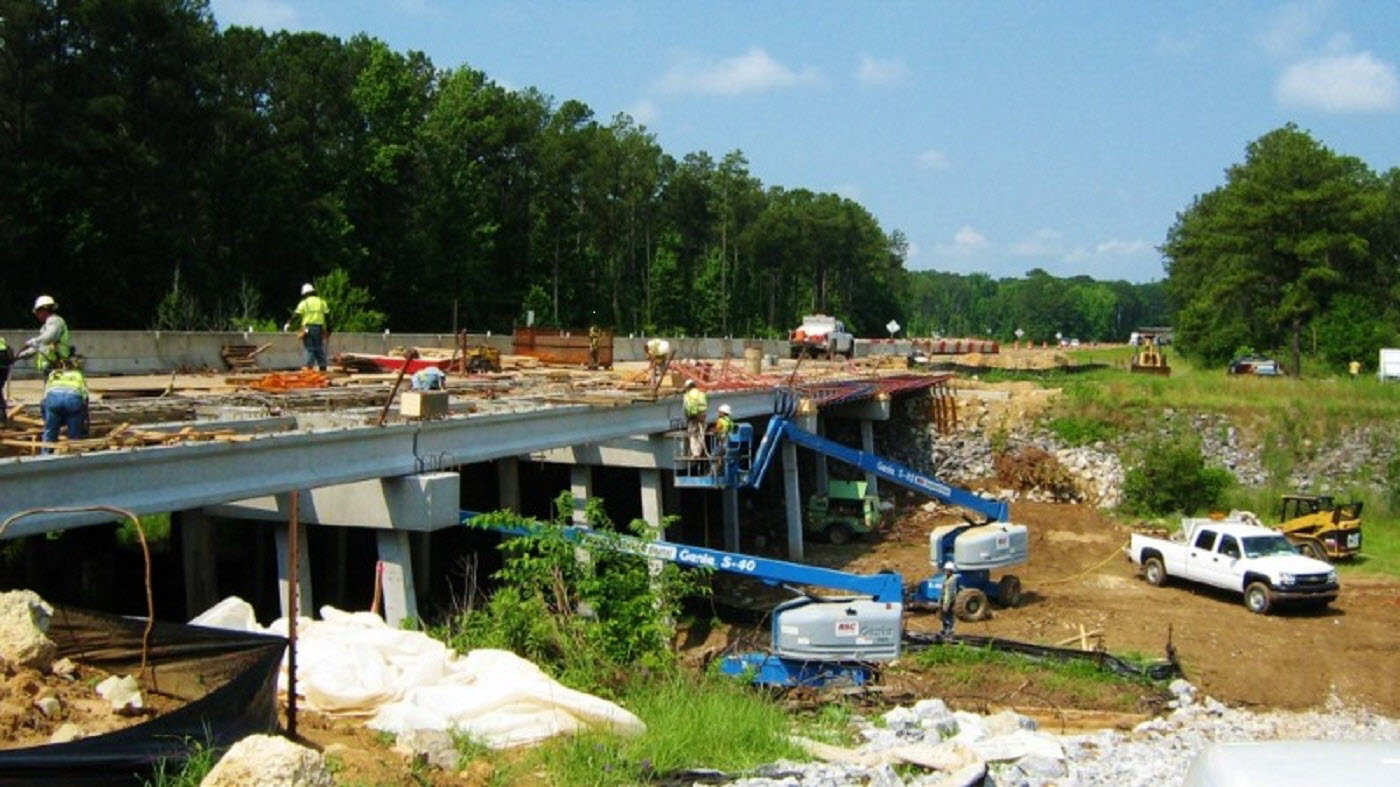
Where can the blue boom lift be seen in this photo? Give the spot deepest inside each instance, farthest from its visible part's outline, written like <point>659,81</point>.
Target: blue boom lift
<point>975,547</point>
<point>816,640</point>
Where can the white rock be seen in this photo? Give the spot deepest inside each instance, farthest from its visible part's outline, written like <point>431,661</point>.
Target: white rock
<point>24,621</point>
<point>68,731</point>
<point>435,746</point>
<point>49,706</point>
<point>269,761</point>
<point>123,692</point>
<point>1021,743</point>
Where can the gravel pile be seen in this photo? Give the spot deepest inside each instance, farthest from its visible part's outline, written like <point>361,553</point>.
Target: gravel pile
<point>1006,749</point>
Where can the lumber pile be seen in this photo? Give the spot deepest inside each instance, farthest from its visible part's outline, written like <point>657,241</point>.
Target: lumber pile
<point>242,357</point>
<point>25,437</point>
<point>288,381</point>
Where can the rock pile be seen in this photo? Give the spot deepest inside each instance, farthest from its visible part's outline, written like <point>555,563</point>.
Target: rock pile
<point>269,761</point>
<point>959,748</point>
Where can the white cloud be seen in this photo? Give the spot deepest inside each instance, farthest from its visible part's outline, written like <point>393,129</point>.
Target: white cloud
<point>1044,242</point>
<point>752,72</point>
<point>1122,248</point>
<point>270,15</point>
<point>644,112</point>
<point>966,241</point>
<point>876,71</point>
<point>933,159</point>
<point>1340,83</point>
<point>1290,27</point>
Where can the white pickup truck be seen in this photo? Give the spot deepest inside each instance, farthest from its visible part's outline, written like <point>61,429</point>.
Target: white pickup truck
<point>821,335</point>
<point>1236,554</point>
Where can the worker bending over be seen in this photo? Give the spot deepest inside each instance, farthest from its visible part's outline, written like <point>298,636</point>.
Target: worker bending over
<point>947,600</point>
<point>53,345</point>
<point>312,315</point>
<point>696,405</point>
<point>429,378</point>
<point>65,404</point>
<point>658,356</point>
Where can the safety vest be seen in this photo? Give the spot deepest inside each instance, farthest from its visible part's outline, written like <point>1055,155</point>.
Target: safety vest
<point>61,350</point>
<point>723,426</point>
<point>67,379</point>
<point>696,402</point>
<point>952,583</point>
<point>313,310</point>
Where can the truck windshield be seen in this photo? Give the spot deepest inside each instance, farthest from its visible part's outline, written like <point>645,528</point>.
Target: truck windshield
<point>1262,546</point>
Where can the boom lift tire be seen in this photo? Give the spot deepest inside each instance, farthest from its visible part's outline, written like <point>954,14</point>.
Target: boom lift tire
<point>1258,598</point>
<point>970,604</point>
<point>1009,590</point>
<point>1154,572</point>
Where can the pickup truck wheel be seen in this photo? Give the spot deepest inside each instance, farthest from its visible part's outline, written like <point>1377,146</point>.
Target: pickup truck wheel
<point>970,604</point>
<point>794,352</point>
<point>1258,598</point>
<point>1009,591</point>
<point>1154,572</point>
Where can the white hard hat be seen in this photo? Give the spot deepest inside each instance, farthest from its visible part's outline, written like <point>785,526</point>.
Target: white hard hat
<point>689,383</point>
<point>949,566</point>
<point>724,408</point>
<point>44,302</point>
<point>307,289</point>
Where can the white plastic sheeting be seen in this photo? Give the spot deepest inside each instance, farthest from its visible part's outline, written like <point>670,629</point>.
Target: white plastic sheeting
<point>353,664</point>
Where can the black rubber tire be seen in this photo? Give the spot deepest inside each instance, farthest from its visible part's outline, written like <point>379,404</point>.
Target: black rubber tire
<point>839,533</point>
<point>1258,598</point>
<point>1009,591</point>
<point>794,352</point>
<point>971,604</point>
<point>1154,571</point>
<point>1313,548</point>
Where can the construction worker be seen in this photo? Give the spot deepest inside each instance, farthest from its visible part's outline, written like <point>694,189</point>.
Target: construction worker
<point>312,314</point>
<point>947,600</point>
<point>658,355</point>
<point>53,344</point>
<point>593,346</point>
<point>724,426</point>
<point>1354,369</point>
<point>65,404</point>
<point>696,405</point>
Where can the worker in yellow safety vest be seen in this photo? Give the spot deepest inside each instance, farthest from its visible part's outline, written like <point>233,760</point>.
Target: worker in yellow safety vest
<point>696,405</point>
<point>53,344</point>
<point>724,426</point>
<point>313,315</point>
<point>65,404</point>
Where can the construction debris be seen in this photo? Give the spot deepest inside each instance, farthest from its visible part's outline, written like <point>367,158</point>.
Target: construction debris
<point>285,381</point>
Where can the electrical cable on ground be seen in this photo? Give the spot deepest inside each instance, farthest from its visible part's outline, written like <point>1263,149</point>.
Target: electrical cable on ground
<point>1115,553</point>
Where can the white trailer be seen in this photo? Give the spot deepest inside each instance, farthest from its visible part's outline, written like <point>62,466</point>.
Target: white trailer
<point>1389,366</point>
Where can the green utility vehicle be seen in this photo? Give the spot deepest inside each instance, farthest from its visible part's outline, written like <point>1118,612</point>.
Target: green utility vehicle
<point>844,512</point>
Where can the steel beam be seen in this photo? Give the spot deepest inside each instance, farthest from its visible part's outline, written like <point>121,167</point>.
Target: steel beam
<point>172,478</point>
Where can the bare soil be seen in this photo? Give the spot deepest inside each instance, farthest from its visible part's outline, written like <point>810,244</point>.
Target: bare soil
<point>1078,576</point>
<point>22,724</point>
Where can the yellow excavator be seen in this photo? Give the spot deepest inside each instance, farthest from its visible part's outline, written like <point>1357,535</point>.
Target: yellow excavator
<point>1150,358</point>
<point>1321,528</point>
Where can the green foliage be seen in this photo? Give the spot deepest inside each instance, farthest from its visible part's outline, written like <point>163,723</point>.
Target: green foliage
<point>200,760</point>
<point>1171,476</point>
<point>178,309</point>
<point>537,301</point>
<point>543,585</point>
<point>351,307</point>
<point>693,721</point>
<point>1082,430</point>
<point>1349,331</point>
<point>155,526</point>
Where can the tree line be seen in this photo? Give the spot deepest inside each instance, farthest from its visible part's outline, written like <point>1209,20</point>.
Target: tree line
<point>1298,252</point>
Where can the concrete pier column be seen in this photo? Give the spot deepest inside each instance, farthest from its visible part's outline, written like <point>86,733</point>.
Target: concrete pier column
<point>867,444</point>
<point>652,497</point>
<point>199,560</point>
<point>396,576</point>
<point>816,425</point>
<point>422,554</point>
<point>581,487</point>
<point>508,479</point>
<point>729,497</point>
<point>304,600</point>
<point>792,501</point>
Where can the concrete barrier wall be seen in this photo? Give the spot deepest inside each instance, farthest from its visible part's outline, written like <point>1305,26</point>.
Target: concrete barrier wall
<point>136,352</point>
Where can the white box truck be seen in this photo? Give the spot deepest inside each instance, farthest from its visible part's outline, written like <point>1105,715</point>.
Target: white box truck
<point>1389,367</point>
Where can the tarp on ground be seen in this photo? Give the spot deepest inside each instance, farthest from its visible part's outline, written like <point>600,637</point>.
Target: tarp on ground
<point>226,678</point>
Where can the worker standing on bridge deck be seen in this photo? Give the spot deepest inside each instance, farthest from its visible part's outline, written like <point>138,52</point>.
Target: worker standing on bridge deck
<point>5,359</point>
<point>658,354</point>
<point>65,404</point>
<point>696,405</point>
<point>53,344</point>
<point>724,426</point>
<point>947,600</point>
<point>312,314</point>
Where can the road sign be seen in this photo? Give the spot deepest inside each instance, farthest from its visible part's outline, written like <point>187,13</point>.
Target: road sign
<point>892,327</point>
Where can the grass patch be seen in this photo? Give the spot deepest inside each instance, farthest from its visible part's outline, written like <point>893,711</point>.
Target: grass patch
<point>188,773</point>
<point>987,675</point>
<point>701,721</point>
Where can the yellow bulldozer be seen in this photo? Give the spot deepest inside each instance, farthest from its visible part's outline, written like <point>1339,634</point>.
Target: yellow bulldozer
<point>1150,358</point>
<point>1321,528</point>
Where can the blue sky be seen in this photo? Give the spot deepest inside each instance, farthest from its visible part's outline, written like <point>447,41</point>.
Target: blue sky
<point>998,136</point>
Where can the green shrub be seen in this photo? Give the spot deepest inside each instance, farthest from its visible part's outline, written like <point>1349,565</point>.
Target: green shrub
<point>1082,430</point>
<point>1171,476</point>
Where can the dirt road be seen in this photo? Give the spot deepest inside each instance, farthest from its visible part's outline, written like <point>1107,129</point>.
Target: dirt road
<point>1077,576</point>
